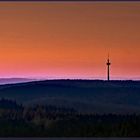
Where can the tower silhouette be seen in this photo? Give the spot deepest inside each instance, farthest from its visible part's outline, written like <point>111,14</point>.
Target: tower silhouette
<point>108,68</point>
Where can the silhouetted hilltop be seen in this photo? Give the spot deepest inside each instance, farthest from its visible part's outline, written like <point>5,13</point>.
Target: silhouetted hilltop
<point>84,95</point>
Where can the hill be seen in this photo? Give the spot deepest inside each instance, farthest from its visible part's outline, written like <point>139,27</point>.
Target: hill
<point>84,95</point>
<point>14,80</point>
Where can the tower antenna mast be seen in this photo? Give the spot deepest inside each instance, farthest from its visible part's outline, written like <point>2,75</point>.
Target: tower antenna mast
<point>108,68</point>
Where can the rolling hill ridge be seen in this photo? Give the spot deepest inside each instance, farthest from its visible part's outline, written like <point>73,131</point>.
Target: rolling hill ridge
<point>95,96</point>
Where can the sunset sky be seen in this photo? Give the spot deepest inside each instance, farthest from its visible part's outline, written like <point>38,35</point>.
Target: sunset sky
<point>69,39</point>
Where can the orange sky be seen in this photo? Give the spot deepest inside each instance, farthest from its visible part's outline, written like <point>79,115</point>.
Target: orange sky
<point>69,39</point>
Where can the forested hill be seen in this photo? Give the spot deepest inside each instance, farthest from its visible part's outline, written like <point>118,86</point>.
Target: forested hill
<point>84,95</point>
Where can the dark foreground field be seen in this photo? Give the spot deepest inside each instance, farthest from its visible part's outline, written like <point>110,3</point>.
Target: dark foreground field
<point>83,95</point>
<point>70,108</point>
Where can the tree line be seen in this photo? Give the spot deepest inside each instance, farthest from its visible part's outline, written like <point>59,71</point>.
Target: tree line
<point>51,121</point>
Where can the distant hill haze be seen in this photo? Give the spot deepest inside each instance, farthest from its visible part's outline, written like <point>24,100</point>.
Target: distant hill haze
<point>14,80</point>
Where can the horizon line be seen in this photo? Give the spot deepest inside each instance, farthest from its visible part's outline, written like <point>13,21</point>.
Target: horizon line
<point>66,78</point>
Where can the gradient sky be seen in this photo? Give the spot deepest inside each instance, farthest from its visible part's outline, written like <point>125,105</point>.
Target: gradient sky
<point>69,39</point>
